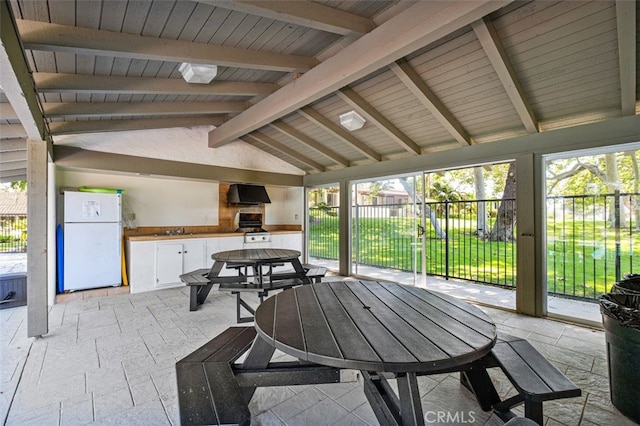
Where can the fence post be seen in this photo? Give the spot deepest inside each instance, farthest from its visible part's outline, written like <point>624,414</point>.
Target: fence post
<point>618,224</point>
<point>446,239</point>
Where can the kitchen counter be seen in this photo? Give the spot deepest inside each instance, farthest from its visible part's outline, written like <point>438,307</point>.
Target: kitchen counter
<point>162,237</point>
<point>156,261</point>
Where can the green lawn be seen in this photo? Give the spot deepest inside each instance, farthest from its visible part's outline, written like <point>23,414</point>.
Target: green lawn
<point>580,263</point>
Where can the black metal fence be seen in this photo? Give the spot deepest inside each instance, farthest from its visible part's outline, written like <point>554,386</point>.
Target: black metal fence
<point>387,236</point>
<point>13,233</point>
<point>472,240</point>
<point>590,240</point>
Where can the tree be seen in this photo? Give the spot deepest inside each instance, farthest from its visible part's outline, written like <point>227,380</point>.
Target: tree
<point>428,210</point>
<point>506,219</point>
<point>600,174</point>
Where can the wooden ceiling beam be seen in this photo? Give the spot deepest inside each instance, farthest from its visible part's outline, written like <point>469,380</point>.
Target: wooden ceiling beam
<point>37,35</point>
<point>95,126</point>
<point>626,19</point>
<point>499,59</point>
<point>73,83</point>
<point>363,107</point>
<point>339,132</point>
<point>303,13</point>
<point>140,109</point>
<point>267,140</point>
<point>416,85</point>
<point>311,143</point>
<point>423,23</point>
<point>15,78</point>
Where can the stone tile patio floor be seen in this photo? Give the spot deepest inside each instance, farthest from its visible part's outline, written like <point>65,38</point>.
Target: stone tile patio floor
<point>110,360</point>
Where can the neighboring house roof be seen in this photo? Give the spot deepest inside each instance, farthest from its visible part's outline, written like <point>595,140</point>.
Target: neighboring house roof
<point>13,203</point>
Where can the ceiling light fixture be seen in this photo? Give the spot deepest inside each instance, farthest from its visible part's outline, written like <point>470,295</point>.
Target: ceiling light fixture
<point>352,121</point>
<point>198,73</point>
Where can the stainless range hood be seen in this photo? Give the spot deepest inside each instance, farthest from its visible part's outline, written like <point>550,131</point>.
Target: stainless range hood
<point>247,194</point>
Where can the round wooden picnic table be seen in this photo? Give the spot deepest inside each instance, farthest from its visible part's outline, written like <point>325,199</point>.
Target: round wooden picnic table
<point>378,327</point>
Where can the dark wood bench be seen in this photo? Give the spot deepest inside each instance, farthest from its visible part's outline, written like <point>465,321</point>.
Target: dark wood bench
<point>277,281</point>
<point>208,392</point>
<point>200,285</point>
<point>262,291</point>
<point>533,376</point>
<point>316,273</point>
<point>215,389</point>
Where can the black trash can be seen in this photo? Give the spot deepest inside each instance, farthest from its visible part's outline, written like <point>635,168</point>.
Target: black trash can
<point>630,285</point>
<point>621,319</point>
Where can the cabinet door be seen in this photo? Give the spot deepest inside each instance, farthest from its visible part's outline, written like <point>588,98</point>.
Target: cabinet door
<point>287,241</point>
<point>168,263</point>
<point>193,255</point>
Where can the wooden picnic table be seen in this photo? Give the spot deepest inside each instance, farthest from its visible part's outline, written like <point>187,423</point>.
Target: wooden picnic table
<point>255,274</point>
<point>378,328</point>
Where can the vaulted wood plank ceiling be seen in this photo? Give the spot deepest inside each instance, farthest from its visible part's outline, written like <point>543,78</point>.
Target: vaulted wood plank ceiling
<point>426,76</point>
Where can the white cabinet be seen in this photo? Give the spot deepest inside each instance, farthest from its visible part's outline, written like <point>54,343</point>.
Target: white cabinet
<point>175,258</point>
<point>156,264</point>
<point>292,241</point>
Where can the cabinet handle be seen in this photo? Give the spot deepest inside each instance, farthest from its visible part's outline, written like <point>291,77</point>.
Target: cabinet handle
<point>185,251</point>
<point>179,252</point>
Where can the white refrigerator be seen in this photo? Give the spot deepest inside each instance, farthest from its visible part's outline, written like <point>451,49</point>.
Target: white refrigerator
<point>92,240</point>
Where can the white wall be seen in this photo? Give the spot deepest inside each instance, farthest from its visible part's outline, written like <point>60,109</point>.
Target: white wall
<point>172,202</point>
<point>155,201</point>
<point>286,206</point>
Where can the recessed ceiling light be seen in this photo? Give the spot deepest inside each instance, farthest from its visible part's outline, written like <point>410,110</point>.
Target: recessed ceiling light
<point>198,73</point>
<point>352,121</point>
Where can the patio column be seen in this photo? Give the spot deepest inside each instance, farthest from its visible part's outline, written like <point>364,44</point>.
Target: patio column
<point>37,307</point>
<point>344,227</point>
<point>531,292</point>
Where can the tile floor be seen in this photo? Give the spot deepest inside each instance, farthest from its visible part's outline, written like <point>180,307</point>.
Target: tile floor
<point>109,359</point>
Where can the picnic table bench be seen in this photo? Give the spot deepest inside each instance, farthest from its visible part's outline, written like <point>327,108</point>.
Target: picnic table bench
<point>214,389</point>
<point>251,276</point>
<point>535,379</point>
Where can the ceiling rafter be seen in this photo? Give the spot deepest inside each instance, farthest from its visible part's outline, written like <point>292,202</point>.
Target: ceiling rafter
<point>626,20</point>
<point>339,132</point>
<point>49,37</point>
<point>416,85</point>
<point>499,59</point>
<point>73,83</point>
<point>93,126</point>
<point>303,13</point>
<point>356,101</point>
<point>138,109</point>
<point>311,143</point>
<point>15,78</point>
<point>268,140</point>
<point>413,28</point>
